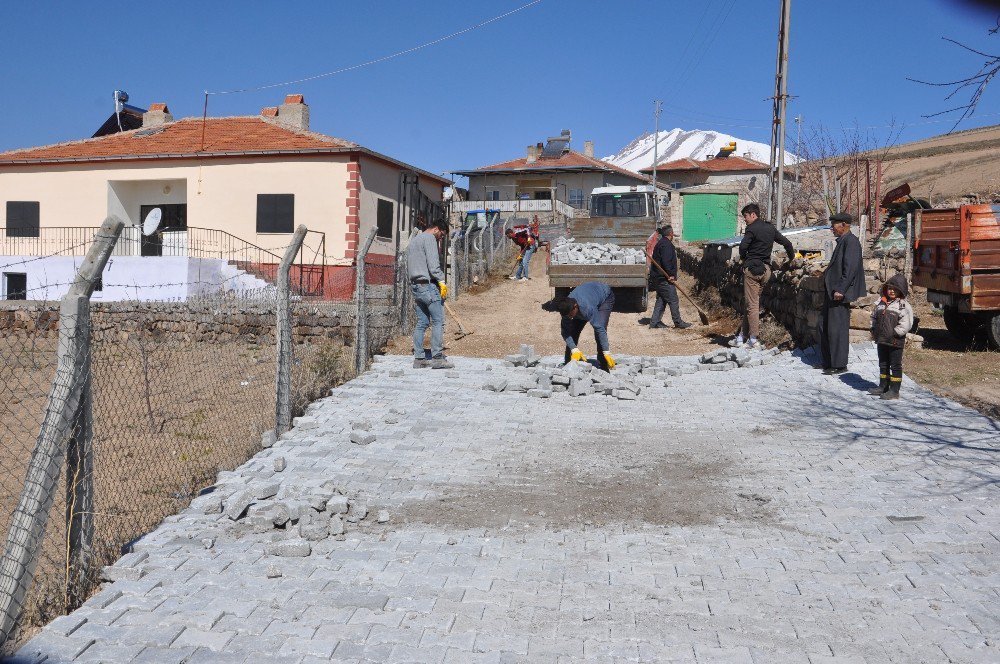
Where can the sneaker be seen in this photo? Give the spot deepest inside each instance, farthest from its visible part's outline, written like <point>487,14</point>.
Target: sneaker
<point>442,362</point>
<point>420,363</point>
<point>657,326</point>
<point>512,278</point>
<point>523,279</point>
<point>683,325</point>
<point>755,344</point>
<point>737,342</point>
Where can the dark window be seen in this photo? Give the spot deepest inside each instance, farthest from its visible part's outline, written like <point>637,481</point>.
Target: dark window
<point>15,286</point>
<point>275,213</point>
<point>22,218</point>
<point>99,284</point>
<point>494,195</point>
<point>383,218</point>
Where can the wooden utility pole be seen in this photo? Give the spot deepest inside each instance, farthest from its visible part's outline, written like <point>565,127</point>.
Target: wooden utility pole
<point>657,107</point>
<point>775,207</point>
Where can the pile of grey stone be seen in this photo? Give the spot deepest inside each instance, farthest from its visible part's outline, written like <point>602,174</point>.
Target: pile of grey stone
<point>727,359</point>
<point>568,252</point>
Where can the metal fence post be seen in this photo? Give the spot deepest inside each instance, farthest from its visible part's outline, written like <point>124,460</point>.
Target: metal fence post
<point>67,405</point>
<point>361,298</point>
<point>283,335</point>
<point>908,261</point>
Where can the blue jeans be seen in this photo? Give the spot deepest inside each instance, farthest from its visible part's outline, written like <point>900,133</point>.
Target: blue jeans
<point>430,313</point>
<point>522,267</point>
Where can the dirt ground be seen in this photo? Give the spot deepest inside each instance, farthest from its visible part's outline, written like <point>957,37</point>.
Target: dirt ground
<point>510,314</point>
<point>970,375</point>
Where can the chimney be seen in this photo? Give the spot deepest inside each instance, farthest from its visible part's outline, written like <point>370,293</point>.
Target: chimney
<point>588,148</point>
<point>293,113</point>
<point>532,155</point>
<point>158,114</point>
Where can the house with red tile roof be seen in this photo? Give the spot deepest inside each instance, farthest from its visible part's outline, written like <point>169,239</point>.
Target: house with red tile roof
<point>249,179</point>
<point>726,167</point>
<point>549,172</point>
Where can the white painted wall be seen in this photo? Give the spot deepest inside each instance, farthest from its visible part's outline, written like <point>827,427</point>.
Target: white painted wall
<point>149,278</point>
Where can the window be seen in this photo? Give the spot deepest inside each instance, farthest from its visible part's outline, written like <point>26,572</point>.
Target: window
<point>618,205</point>
<point>275,213</point>
<point>15,286</point>
<point>576,198</point>
<point>675,185</point>
<point>384,218</point>
<point>22,219</point>
<point>494,195</point>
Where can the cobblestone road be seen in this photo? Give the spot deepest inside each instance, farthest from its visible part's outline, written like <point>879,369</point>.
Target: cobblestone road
<point>766,514</point>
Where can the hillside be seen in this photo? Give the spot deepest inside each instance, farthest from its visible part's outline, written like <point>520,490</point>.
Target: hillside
<point>948,166</point>
<point>680,143</point>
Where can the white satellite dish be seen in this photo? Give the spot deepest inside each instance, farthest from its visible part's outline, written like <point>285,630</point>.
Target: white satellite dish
<point>152,221</point>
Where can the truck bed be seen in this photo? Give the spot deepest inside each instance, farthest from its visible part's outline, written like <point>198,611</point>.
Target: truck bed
<point>957,251</point>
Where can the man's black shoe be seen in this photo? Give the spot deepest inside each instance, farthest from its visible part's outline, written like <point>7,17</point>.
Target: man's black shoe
<point>832,371</point>
<point>657,326</point>
<point>683,325</point>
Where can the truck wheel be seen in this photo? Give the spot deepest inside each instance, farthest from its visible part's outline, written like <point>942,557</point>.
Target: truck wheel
<point>993,331</point>
<point>960,325</point>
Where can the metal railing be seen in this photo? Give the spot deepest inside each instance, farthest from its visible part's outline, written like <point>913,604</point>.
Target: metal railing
<point>308,272</point>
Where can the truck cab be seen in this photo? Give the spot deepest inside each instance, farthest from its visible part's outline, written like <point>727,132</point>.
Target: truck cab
<point>635,201</point>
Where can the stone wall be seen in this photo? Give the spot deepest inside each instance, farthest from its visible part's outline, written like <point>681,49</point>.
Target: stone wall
<point>794,296</point>
<point>195,322</point>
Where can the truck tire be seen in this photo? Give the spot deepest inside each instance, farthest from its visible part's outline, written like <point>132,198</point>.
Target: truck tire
<point>964,327</point>
<point>993,331</point>
<point>630,300</point>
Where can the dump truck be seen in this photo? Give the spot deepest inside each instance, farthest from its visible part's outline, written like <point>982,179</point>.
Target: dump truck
<point>956,257</point>
<point>622,215</point>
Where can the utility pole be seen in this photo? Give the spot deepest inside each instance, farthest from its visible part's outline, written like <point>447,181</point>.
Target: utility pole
<point>798,145</point>
<point>657,107</point>
<point>775,207</point>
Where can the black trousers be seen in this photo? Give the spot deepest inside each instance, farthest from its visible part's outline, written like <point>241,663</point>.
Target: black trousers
<point>890,361</point>
<point>835,331</point>
<point>666,295</point>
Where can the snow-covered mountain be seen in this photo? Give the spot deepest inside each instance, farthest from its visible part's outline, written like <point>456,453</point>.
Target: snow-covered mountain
<point>695,144</point>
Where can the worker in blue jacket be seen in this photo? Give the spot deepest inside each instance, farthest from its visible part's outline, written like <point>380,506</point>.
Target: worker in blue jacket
<point>590,302</point>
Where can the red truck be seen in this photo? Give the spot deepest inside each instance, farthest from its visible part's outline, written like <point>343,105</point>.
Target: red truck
<point>957,259</point>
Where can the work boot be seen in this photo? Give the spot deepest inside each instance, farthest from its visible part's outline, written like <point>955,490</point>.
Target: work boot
<point>421,363</point>
<point>657,326</point>
<point>893,391</point>
<point>883,385</point>
<point>442,362</point>
<point>683,325</point>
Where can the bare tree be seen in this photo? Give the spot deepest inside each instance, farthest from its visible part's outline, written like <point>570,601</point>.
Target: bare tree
<point>976,83</point>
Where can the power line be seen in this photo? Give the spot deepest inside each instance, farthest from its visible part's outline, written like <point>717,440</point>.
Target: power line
<point>381,59</point>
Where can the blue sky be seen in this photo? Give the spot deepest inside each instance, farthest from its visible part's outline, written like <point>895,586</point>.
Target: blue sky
<point>590,66</point>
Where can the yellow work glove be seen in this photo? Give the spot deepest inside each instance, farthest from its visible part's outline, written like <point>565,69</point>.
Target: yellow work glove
<point>610,360</point>
<point>576,355</point>
<point>443,287</point>
<point>519,257</point>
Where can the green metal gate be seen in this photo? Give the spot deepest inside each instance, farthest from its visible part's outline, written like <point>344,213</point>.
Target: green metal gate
<point>709,217</point>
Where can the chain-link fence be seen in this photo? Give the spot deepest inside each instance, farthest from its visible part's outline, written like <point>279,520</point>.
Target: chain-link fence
<point>478,252</point>
<point>113,415</point>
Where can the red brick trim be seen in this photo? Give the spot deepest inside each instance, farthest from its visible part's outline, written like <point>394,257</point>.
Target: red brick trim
<point>352,236</point>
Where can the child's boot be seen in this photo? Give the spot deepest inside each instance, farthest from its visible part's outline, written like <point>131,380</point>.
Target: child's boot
<point>883,382</point>
<point>894,384</point>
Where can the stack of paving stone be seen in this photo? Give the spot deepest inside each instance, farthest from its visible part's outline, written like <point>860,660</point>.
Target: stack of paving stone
<point>731,358</point>
<point>568,252</point>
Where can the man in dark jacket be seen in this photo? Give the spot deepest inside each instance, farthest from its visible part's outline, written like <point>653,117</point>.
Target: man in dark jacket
<point>843,282</point>
<point>755,252</point>
<point>665,256</point>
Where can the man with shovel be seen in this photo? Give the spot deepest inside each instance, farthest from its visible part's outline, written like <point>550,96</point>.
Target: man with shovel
<point>665,282</point>
<point>755,252</point>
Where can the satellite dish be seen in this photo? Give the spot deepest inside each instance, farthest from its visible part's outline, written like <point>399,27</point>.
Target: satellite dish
<point>152,221</point>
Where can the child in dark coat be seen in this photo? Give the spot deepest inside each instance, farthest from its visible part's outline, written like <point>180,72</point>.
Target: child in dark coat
<point>892,318</point>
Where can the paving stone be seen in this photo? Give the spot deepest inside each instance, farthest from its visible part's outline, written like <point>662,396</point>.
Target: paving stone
<point>362,438</point>
<point>289,548</point>
<point>280,464</point>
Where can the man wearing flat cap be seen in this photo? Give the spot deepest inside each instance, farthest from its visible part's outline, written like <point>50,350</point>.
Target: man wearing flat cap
<point>844,282</point>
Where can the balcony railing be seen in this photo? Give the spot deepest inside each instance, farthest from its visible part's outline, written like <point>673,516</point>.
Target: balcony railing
<point>190,242</point>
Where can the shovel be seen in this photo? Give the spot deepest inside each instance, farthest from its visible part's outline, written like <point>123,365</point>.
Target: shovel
<point>462,331</point>
<point>701,314</point>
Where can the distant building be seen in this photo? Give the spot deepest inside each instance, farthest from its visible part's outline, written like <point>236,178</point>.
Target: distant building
<point>682,173</point>
<point>548,172</point>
